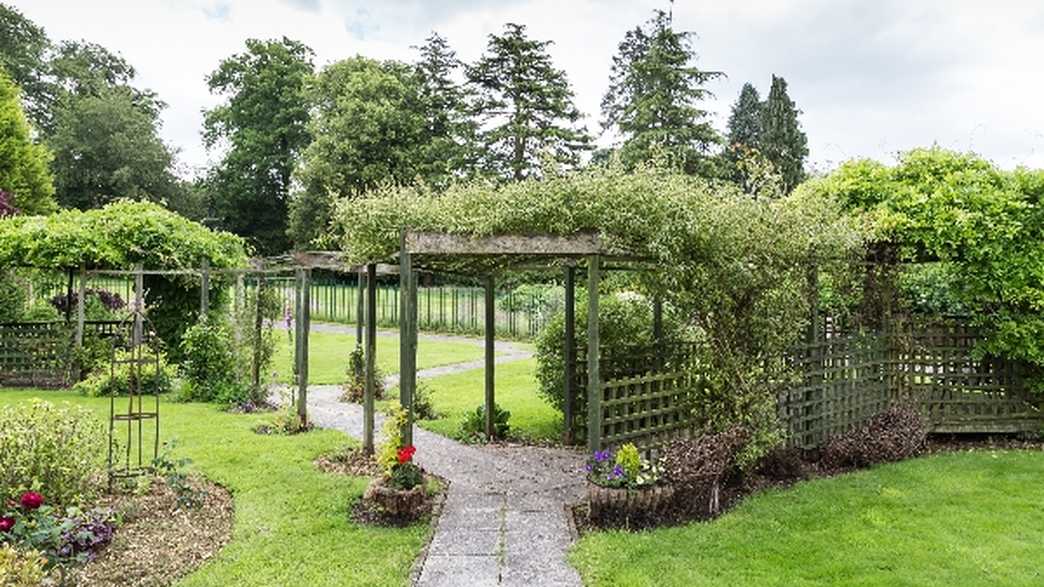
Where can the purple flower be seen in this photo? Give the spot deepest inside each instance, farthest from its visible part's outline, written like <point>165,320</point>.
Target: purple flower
<point>601,456</point>
<point>617,472</point>
<point>589,468</point>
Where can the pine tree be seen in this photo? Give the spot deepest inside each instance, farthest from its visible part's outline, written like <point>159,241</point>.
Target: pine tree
<point>449,151</point>
<point>745,120</point>
<point>527,106</point>
<point>782,140</point>
<point>655,95</point>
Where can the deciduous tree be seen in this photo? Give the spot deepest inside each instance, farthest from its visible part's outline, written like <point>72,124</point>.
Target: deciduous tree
<point>263,127</point>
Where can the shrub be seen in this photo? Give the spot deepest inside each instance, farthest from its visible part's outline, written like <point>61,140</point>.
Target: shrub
<point>782,464</point>
<point>355,387</point>
<point>22,567</point>
<point>103,383</point>
<point>473,427</point>
<point>624,320</point>
<point>697,466</point>
<point>897,433</point>
<point>12,297</point>
<point>423,409</point>
<point>40,313</point>
<point>55,450</point>
<point>209,365</point>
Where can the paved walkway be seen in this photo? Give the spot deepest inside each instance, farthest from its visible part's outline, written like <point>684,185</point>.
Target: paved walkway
<point>504,521</point>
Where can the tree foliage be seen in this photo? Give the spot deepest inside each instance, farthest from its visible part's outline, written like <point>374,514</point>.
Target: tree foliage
<point>655,98</point>
<point>23,54</point>
<point>24,176</point>
<point>367,129</point>
<point>734,267</point>
<point>782,140</point>
<point>526,107</point>
<point>449,150</point>
<point>263,126</point>
<point>985,225</point>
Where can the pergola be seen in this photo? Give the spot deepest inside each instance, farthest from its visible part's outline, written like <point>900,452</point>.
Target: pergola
<point>485,257</point>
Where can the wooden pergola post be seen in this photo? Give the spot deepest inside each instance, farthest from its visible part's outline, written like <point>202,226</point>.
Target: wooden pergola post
<point>303,326</point>
<point>594,383</point>
<point>371,357</point>
<point>204,290</point>
<point>359,308</point>
<point>81,303</point>
<point>407,339</point>
<point>569,353</point>
<point>255,379</point>
<point>491,339</point>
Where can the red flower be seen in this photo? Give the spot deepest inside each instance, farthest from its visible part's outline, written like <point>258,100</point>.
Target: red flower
<point>406,454</point>
<point>6,523</point>
<point>32,500</point>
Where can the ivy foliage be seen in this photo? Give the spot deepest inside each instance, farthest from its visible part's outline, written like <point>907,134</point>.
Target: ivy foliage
<point>981,226</point>
<point>734,267</point>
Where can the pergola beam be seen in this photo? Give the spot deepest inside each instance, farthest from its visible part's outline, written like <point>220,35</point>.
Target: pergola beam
<point>437,243</point>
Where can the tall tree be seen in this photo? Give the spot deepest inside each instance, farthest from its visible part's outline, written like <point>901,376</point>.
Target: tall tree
<point>25,180</point>
<point>368,129</point>
<point>655,97</point>
<point>107,147</point>
<point>449,149</point>
<point>527,106</point>
<point>782,140</point>
<point>744,126</point>
<point>263,127</point>
<point>23,54</point>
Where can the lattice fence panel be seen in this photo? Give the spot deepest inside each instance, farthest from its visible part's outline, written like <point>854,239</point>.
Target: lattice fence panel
<point>35,354</point>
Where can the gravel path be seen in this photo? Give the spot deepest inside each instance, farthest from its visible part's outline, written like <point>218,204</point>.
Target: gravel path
<point>504,521</point>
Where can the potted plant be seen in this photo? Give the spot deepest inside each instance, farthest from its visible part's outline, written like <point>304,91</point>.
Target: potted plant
<point>401,491</point>
<point>623,487</point>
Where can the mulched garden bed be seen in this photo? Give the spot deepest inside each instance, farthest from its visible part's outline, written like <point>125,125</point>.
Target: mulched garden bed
<point>349,461</point>
<point>790,467</point>
<point>157,542</point>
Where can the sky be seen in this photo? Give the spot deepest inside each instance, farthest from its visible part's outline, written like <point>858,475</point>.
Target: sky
<point>872,78</point>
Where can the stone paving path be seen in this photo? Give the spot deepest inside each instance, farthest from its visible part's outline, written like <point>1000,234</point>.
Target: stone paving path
<point>504,520</point>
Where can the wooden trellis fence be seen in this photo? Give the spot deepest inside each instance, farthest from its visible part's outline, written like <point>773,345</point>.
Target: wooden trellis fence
<point>842,379</point>
<point>39,354</point>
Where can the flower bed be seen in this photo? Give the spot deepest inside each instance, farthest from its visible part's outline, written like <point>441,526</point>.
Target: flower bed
<point>624,489</point>
<point>404,492</point>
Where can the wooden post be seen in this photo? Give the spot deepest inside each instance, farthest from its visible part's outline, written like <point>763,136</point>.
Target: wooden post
<point>594,383</point>
<point>359,310</point>
<point>491,339</point>
<point>303,325</point>
<point>258,324</point>
<point>204,289</point>
<point>371,357</point>
<point>407,339</point>
<point>569,353</point>
<point>81,302</point>
<point>139,306</point>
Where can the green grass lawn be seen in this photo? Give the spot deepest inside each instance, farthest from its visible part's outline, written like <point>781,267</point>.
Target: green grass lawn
<point>291,520</point>
<point>516,391</point>
<point>328,355</point>
<point>958,519</point>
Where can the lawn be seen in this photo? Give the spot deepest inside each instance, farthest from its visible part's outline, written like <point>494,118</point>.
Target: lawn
<point>516,391</point>
<point>957,519</point>
<point>291,522</point>
<point>328,355</point>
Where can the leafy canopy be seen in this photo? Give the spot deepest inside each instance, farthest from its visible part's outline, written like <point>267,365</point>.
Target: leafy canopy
<point>734,267</point>
<point>118,235</point>
<point>984,224</point>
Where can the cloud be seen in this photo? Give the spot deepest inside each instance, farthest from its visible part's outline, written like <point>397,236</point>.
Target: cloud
<point>871,78</point>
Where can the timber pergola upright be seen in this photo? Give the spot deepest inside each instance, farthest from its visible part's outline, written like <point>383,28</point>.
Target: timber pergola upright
<point>485,257</point>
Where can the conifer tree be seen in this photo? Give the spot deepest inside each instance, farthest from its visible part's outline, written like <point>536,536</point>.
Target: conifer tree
<point>526,105</point>
<point>782,140</point>
<point>655,97</point>
<point>449,149</point>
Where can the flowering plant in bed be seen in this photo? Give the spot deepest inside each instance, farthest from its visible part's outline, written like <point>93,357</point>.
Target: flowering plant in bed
<point>625,488</point>
<point>62,536</point>
<point>401,491</point>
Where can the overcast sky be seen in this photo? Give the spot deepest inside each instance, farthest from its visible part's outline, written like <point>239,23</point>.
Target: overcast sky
<point>871,77</point>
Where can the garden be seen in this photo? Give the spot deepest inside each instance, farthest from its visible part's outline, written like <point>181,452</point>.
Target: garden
<point>801,390</point>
